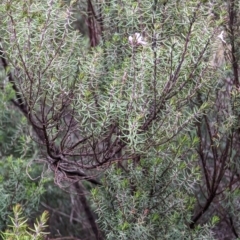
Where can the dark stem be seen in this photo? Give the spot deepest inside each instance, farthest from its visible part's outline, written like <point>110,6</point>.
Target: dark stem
<point>88,211</point>
<point>232,20</point>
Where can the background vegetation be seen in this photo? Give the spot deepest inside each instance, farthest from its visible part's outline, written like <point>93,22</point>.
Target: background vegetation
<point>120,118</point>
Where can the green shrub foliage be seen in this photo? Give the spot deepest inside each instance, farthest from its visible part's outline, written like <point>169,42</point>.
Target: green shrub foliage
<point>19,230</point>
<point>141,102</point>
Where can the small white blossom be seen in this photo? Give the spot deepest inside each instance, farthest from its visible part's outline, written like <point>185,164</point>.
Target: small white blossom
<point>136,40</point>
<point>221,36</point>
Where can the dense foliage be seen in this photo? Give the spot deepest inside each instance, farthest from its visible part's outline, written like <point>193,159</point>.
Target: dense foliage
<point>133,106</point>
<point>21,231</point>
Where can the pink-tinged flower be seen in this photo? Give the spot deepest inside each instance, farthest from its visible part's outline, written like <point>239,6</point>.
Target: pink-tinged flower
<point>136,40</point>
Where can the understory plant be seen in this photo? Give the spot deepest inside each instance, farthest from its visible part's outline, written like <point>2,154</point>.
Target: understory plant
<point>135,111</point>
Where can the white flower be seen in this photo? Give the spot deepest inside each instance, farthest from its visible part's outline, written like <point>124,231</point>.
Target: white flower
<point>136,40</point>
<point>221,36</point>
